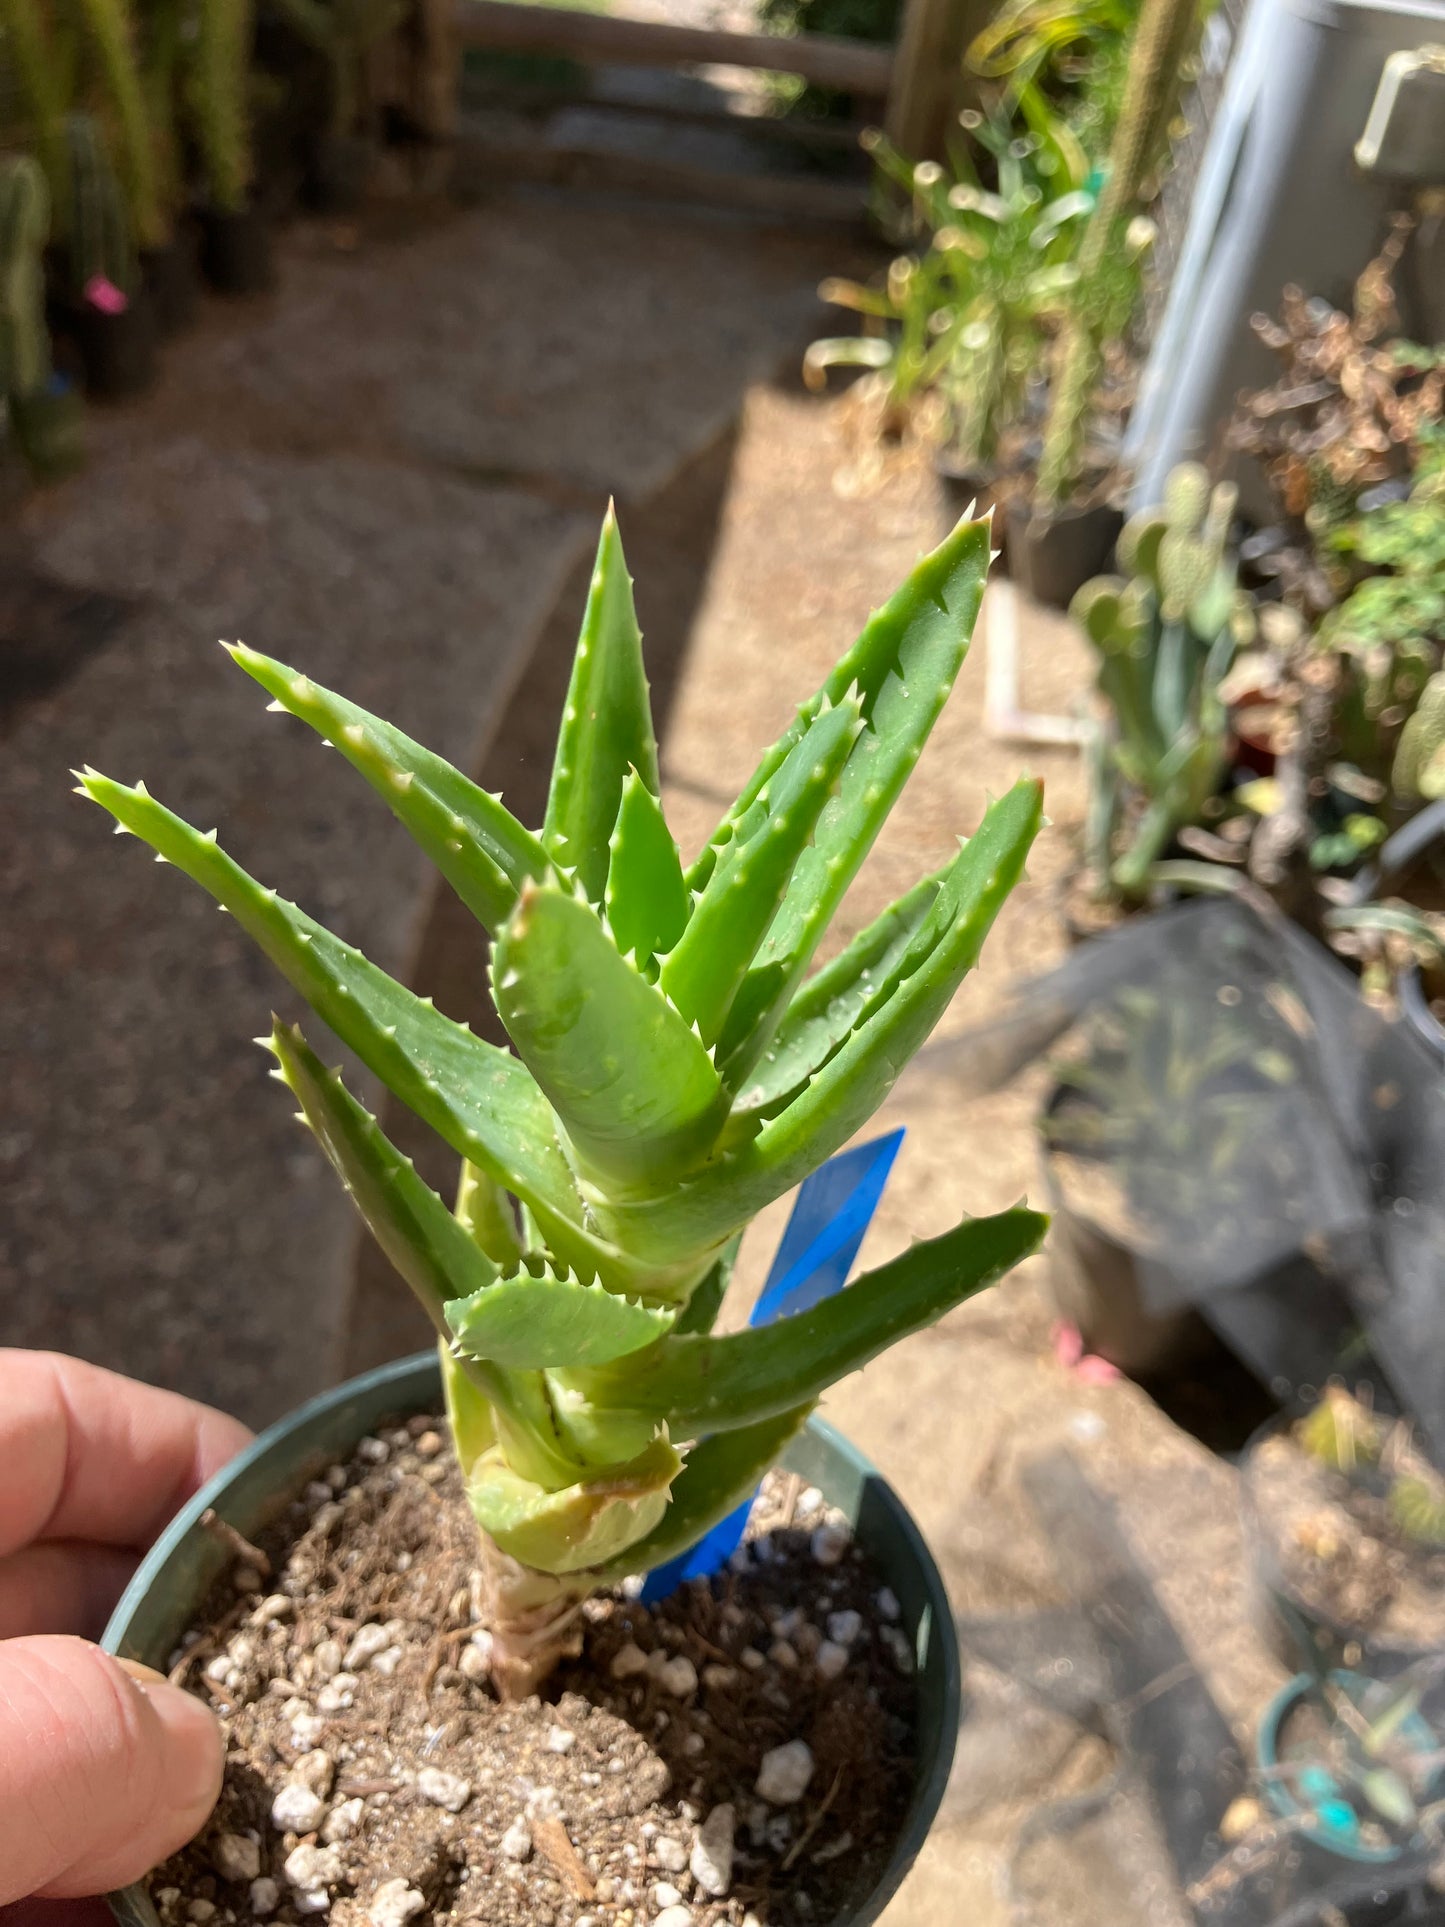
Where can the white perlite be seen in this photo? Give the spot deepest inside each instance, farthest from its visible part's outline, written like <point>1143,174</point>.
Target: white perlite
<point>265,1896</point>
<point>829,1543</point>
<point>315,1769</point>
<point>678,1677</point>
<point>844,1627</point>
<point>394,1904</point>
<point>343,1822</point>
<point>337,1694</point>
<point>674,1917</point>
<point>297,1809</point>
<point>447,1790</point>
<point>629,1661</point>
<point>236,1856</point>
<point>831,1660</point>
<point>516,1842</point>
<point>275,1606</point>
<point>366,1643</point>
<point>560,1739</point>
<point>664,1894</point>
<point>712,1854</point>
<point>784,1774</point>
<point>311,1873</point>
<point>670,1854</point>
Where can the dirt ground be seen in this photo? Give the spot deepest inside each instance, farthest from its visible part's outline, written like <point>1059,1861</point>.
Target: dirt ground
<point>538,356</point>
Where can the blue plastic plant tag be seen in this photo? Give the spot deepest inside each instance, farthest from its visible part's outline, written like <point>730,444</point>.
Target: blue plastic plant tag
<point>833,1210</point>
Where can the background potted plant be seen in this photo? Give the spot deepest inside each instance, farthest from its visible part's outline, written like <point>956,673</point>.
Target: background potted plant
<point>673,1073</point>
<point>235,240</point>
<point>41,408</point>
<point>340,158</point>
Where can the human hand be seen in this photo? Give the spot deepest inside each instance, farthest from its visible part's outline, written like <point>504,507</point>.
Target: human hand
<point>103,1773</point>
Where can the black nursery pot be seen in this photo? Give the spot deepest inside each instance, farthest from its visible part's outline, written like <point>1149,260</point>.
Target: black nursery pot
<point>236,250</point>
<point>256,1487</point>
<point>117,352</point>
<point>1052,556</point>
<point>173,282</point>
<point>338,169</point>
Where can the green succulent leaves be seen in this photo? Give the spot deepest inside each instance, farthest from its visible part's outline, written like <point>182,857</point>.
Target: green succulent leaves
<point>671,1071</point>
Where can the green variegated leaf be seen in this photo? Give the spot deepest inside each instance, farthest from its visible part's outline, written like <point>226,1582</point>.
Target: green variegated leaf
<point>647,900</point>
<point>469,1412</point>
<point>479,847</point>
<point>632,1084</point>
<point>535,1317</point>
<point>828,1006</point>
<point>484,1211</point>
<point>731,917</point>
<point>904,1007</point>
<point>719,1474</point>
<point>583,1525</point>
<point>479,1098</point>
<point>606,724</point>
<point>700,1385</point>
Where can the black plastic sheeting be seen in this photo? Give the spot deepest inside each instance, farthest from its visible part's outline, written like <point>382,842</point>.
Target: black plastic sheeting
<point>1270,1147</point>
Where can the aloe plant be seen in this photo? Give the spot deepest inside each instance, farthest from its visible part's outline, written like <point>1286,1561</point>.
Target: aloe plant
<point>673,1073</point>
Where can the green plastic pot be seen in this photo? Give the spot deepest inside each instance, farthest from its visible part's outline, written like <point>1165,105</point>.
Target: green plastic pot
<point>254,1489</point>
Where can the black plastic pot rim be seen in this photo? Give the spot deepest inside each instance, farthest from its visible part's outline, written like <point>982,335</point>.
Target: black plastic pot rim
<point>415,1383</point>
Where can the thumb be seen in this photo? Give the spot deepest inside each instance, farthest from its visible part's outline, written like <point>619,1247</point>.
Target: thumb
<point>103,1771</point>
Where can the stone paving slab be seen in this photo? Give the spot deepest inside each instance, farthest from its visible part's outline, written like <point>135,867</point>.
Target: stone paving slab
<point>160,1210</point>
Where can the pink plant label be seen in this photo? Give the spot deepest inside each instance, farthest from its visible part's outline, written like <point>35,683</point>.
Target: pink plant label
<point>105,296</point>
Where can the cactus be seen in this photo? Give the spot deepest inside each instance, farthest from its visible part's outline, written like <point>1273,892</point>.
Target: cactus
<point>345,31</point>
<point>1419,771</point>
<point>112,32</point>
<point>217,86</point>
<point>44,413</point>
<point>40,57</point>
<point>100,242</point>
<point>1165,639</point>
<point>1162,43</point>
<point>673,1074</point>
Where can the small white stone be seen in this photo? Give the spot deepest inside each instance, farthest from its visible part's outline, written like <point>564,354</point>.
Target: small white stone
<point>810,1500</point>
<point>664,1894</point>
<point>443,1789</point>
<point>674,1917</point>
<point>516,1842</point>
<point>236,1856</point>
<point>781,1654</point>
<point>343,1821</point>
<point>718,1679</point>
<point>326,1659</point>
<point>312,1872</point>
<point>200,1911</point>
<point>712,1853</point>
<point>785,1625</point>
<point>219,1668</point>
<point>316,1770</point>
<point>844,1627</point>
<point>337,1694</point>
<point>373,1451</point>
<point>366,1643</point>
<point>752,1659</point>
<point>629,1661</point>
<point>265,1896</point>
<point>886,1600</point>
<point>829,1543</point>
<point>394,1903</point>
<point>544,1803</point>
<point>428,1445</point>
<point>785,1772</point>
<point>474,1664</point>
<point>277,1606</point>
<point>306,1730</point>
<point>694,1746</point>
<point>560,1739</point>
<point>831,1660</point>
<point>670,1854</point>
<point>317,1493</point>
<point>296,1809</point>
<point>678,1677</point>
<point>387,1661</point>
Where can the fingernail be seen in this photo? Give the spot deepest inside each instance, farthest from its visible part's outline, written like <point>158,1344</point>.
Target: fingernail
<point>194,1745</point>
<point>144,1675</point>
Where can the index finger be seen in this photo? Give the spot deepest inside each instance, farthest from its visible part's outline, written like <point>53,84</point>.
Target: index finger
<point>89,1455</point>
